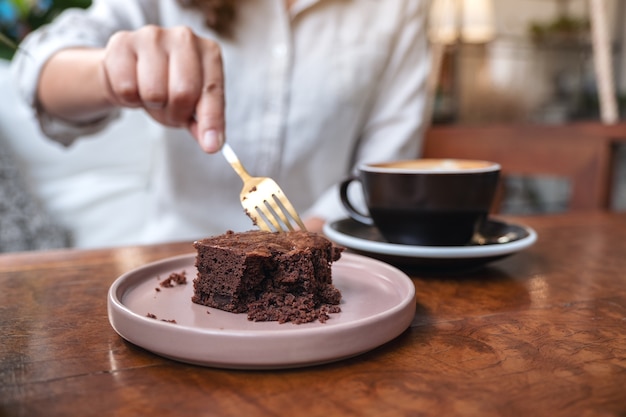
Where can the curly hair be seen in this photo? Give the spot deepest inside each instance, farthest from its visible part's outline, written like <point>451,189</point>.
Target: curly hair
<point>219,15</point>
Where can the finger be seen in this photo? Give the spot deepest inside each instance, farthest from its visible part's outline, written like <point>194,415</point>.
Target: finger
<point>185,76</point>
<point>208,127</point>
<point>152,68</point>
<point>119,68</point>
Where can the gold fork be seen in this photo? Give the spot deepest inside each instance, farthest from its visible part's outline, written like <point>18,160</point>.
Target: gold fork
<point>263,200</point>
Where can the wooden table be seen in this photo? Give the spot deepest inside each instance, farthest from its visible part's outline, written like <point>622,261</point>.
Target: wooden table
<point>540,333</point>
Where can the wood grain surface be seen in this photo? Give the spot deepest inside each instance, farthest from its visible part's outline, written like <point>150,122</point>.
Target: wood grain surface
<point>541,333</point>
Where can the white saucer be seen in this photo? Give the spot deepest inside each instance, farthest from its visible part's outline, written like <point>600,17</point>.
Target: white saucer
<point>506,239</point>
<point>378,304</point>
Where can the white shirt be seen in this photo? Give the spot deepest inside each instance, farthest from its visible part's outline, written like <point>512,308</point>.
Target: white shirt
<point>310,93</point>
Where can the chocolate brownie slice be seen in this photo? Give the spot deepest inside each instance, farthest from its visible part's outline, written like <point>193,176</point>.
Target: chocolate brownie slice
<point>271,276</point>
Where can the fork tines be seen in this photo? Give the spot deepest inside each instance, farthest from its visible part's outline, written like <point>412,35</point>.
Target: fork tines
<point>274,213</point>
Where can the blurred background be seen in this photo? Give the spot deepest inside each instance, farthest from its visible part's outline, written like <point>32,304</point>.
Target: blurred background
<point>539,62</point>
<point>522,60</point>
<point>18,17</point>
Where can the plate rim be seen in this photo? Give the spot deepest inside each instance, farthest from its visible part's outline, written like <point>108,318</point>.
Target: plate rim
<point>404,309</point>
<point>432,252</point>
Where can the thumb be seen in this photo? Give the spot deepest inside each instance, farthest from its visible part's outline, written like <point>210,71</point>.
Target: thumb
<point>208,126</point>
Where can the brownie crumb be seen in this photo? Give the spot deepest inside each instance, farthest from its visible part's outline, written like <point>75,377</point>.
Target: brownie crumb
<point>153,316</point>
<point>285,308</point>
<point>175,278</point>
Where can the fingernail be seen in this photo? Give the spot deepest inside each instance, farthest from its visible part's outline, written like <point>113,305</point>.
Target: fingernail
<point>212,141</point>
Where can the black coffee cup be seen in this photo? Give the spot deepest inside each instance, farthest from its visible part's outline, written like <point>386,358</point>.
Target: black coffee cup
<point>426,202</point>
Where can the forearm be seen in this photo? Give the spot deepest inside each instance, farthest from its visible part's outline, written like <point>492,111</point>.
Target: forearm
<point>71,85</point>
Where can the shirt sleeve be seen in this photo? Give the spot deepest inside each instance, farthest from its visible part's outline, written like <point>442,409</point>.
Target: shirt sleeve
<point>396,122</point>
<point>89,28</point>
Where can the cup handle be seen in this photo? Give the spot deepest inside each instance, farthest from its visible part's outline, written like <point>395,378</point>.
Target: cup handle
<point>345,200</point>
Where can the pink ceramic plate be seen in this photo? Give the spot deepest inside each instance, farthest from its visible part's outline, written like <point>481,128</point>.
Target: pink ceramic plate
<point>378,305</point>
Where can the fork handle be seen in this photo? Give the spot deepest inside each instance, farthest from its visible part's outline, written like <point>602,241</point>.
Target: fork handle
<point>232,159</point>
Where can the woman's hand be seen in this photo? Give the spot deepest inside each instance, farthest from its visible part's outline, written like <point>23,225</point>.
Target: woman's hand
<point>175,75</point>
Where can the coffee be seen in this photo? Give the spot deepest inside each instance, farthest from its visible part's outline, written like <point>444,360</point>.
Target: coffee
<point>431,202</point>
<point>433,164</point>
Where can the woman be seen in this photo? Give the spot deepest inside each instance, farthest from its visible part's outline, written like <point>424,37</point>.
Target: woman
<point>302,89</point>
